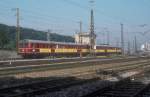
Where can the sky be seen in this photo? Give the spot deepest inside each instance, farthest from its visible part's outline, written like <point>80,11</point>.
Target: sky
<point>63,16</point>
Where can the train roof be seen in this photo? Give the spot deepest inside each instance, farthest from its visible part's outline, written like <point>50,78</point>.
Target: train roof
<point>64,43</point>
<point>48,42</point>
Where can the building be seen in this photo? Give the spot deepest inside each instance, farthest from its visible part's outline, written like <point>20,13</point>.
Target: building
<point>145,47</point>
<point>83,38</point>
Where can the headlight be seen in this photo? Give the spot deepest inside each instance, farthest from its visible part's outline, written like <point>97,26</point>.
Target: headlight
<point>33,50</point>
<point>22,50</point>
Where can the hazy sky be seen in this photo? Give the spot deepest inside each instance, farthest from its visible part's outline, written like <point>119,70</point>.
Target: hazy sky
<point>62,16</point>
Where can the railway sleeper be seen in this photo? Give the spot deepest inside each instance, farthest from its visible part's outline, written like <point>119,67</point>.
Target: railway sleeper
<point>37,89</point>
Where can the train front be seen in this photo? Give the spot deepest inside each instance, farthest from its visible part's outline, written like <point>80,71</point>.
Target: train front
<point>26,50</point>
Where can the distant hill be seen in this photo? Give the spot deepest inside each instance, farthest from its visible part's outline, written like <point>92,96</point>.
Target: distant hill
<point>8,34</point>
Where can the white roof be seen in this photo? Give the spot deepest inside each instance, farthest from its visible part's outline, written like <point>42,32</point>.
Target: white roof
<point>64,43</point>
<point>48,42</point>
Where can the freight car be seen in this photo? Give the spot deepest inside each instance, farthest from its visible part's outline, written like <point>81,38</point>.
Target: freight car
<point>38,48</point>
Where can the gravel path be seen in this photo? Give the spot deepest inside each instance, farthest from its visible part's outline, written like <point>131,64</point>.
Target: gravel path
<point>4,54</point>
<point>69,72</point>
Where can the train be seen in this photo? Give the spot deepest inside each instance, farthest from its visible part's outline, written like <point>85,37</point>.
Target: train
<point>38,48</point>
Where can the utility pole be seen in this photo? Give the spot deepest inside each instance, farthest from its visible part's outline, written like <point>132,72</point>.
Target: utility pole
<point>133,49</point>
<point>122,39</point>
<point>117,42</point>
<point>129,48</point>
<point>80,36</point>
<point>92,34</point>
<point>48,35</point>
<point>104,39</point>
<point>17,29</point>
<point>107,37</point>
<point>135,40</point>
<point>80,26</point>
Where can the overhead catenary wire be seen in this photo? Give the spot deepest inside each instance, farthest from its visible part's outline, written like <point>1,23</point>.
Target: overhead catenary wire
<point>38,20</point>
<point>47,17</point>
<point>86,7</point>
<point>74,3</point>
<point>43,16</point>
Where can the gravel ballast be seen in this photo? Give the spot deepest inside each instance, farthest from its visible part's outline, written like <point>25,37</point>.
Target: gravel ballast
<point>79,90</point>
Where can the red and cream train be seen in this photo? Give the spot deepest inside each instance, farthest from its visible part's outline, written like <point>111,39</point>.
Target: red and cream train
<point>38,48</point>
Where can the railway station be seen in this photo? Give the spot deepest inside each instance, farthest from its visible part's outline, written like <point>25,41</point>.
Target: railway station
<point>42,55</point>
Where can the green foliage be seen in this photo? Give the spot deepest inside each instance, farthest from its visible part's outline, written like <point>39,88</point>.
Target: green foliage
<point>4,40</point>
<point>11,45</point>
<point>8,35</point>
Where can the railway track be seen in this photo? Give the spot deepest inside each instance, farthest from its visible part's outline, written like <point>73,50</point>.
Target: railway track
<point>59,64</point>
<point>27,69</point>
<point>124,88</point>
<point>8,73</point>
<point>132,66</point>
<point>106,70</point>
<point>128,87</point>
<point>19,62</point>
<point>40,87</point>
<point>25,62</point>
<point>145,92</point>
<point>35,88</point>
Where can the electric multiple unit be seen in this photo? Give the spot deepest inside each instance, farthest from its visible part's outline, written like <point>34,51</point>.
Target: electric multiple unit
<point>38,48</point>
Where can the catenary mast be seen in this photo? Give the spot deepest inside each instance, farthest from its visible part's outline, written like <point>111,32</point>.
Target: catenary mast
<point>92,34</point>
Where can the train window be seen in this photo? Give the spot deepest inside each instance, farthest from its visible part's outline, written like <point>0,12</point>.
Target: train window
<point>37,45</point>
<point>52,45</point>
<point>34,45</point>
<point>20,45</point>
<point>43,45</point>
<point>49,45</point>
<point>73,46</point>
<point>31,45</point>
<point>65,46</point>
<point>23,45</point>
<point>70,46</point>
<point>46,45</point>
<point>61,46</point>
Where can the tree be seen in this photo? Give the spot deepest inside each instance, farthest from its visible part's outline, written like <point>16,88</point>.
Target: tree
<point>8,36</point>
<point>4,40</point>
